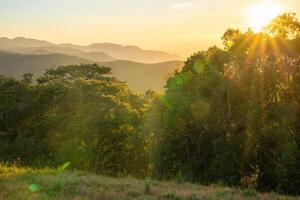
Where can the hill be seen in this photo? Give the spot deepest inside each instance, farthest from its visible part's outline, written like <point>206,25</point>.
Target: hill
<point>25,183</point>
<point>95,56</point>
<point>13,64</point>
<point>21,42</point>
<point>132,53</point>
<point>140,76</point>
<point>112,51</point>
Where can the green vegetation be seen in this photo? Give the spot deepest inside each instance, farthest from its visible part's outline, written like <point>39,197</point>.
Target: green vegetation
<point>75,114</point>
<point>231,116</point>
<point>25,183</point>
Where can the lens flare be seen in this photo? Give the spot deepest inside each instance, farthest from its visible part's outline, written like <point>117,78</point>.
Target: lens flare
<point>33,187</point>
<point>261,14</point>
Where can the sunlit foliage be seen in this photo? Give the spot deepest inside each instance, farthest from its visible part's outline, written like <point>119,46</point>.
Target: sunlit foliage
<point>232,114</point>
<point>73,114</point>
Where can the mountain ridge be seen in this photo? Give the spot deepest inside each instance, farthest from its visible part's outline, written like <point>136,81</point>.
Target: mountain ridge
<point>15,64</point>
<point>139,76</point>
<point>117,51</point>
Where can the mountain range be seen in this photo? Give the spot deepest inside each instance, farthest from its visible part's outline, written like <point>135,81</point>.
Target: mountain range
<point>141,69</point>
<point>108,51</point>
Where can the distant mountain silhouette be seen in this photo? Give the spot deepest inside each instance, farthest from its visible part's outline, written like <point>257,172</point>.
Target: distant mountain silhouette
<point>132,53</point>
<point>129,63</point>
<point>97,56</point>
<point>21,42</point>
<point>13,64</point>
<point>112,51</point>
<point>139,76</point>
<point>93,56</point>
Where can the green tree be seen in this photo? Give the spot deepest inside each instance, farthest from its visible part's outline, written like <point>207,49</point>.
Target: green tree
<point>231,114</point>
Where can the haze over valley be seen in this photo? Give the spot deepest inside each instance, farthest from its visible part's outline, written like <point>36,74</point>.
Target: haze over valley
<point>141,69</point>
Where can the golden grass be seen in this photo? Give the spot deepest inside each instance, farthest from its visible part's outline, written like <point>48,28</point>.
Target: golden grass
<point>26,183</point>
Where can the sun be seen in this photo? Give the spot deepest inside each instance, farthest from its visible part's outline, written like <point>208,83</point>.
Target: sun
<point>261,14</point>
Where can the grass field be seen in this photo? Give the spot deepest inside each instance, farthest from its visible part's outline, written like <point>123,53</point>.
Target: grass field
<point>25,183</point>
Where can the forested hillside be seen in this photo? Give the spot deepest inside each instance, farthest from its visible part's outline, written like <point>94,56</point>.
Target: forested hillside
<point>230,116</point>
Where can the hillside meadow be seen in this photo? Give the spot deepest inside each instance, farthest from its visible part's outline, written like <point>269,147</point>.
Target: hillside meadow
<point>21,183</point>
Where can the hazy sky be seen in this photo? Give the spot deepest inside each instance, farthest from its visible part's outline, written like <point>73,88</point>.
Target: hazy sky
<point>178,26</point>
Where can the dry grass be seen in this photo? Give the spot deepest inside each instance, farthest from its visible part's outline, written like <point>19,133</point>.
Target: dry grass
<point>25,183</point>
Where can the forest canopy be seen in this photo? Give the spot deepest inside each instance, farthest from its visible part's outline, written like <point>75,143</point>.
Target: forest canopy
<point>74,114</point>
<point>233,114</point>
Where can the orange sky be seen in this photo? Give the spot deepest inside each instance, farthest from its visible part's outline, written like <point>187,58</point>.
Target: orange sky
<point>177,26</point>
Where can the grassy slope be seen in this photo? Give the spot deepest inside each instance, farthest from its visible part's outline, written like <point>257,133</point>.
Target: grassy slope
<point>22,183</point>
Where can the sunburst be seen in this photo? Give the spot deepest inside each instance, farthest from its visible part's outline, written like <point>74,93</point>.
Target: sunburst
<point>259,15</point>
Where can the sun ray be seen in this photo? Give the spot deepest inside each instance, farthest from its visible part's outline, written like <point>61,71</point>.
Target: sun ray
<point>253,47</point>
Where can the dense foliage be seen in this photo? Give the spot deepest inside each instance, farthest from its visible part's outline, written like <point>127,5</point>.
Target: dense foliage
<point>233,114</point>
<point>75,114</point>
